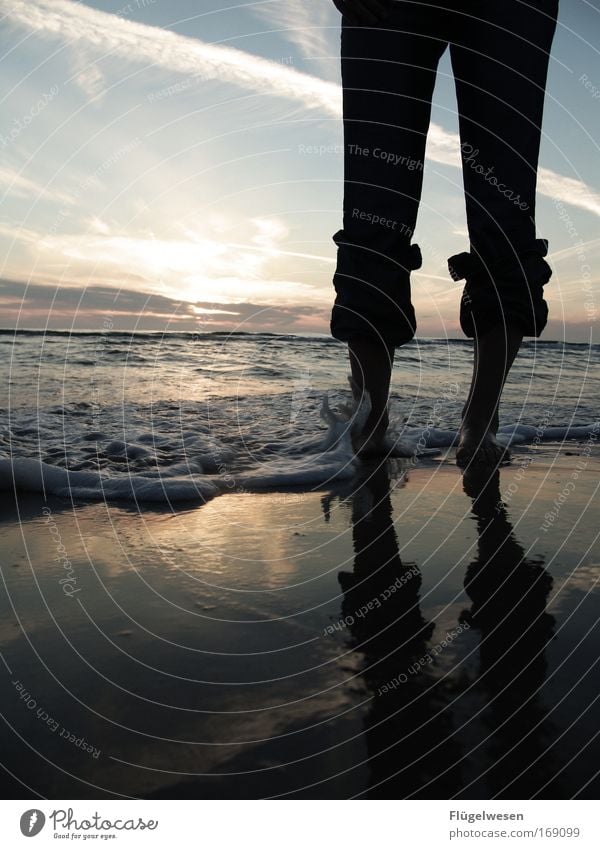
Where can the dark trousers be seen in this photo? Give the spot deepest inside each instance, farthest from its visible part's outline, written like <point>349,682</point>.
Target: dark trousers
<point>499,51</point>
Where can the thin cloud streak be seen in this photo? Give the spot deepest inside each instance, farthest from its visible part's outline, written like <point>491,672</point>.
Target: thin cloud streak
<point>568,190</point>
<point>306,24</point>
<point>79,24</point>
<point>130,40</point>
<point>12,182</point>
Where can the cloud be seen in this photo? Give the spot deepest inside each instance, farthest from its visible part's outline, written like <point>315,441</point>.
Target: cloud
<point>568,190</point>
<point>82,26</point>
<point>16,184</point>
<point>38,306</point>
<point>88,76</point>
<point>580,248</point>
<point>270,231</point>
<point>306,24</point>
<point>443,146</point>
<point>204,263</point>
<point>19,234</point>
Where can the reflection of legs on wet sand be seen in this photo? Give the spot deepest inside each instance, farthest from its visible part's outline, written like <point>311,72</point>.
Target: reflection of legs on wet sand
<point>409,735</point>
<point>418,742</point>
<point>509,592</point>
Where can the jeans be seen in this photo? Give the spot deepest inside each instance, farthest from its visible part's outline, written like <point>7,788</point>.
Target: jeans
<point>499,51</point>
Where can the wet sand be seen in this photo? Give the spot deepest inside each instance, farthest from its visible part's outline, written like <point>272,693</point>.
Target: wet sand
<point>413,634</point>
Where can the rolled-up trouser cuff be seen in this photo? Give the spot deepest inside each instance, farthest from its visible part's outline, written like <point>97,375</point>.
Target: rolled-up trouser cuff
<point>507,291</point>
<point>373,292</point>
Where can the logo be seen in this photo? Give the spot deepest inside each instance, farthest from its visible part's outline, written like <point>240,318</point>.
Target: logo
<point>32,822</point>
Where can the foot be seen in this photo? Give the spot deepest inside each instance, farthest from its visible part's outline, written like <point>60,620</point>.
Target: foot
<point>370,442</point>
<point>494,352</point>
<point>371,362</point>
<point>482,448</point>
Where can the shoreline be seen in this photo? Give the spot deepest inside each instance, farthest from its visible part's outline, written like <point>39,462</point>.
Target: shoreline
<point>198,650</point>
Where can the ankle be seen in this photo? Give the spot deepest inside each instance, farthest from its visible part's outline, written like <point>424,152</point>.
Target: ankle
<point>377,424</point>
<point>480,421</point>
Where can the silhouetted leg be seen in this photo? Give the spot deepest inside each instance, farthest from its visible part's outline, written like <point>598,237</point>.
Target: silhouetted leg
<point>371,361</point>
<point>388,75</point>
<point>494,355</point>
<point>500,59</point>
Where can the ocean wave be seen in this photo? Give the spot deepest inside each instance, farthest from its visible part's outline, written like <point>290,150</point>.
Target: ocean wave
<point>179,455</point>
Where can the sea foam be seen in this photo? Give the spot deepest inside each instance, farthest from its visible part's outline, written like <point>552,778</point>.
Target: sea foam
<point>181,459</point>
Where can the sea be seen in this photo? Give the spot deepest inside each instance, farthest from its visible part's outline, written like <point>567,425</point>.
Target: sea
<point>154,416</point>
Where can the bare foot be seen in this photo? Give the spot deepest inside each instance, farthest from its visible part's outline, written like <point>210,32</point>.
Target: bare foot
<point>475,447</point>
<point>494,354</point>
<point>371,441</point>
<point>371,363</point>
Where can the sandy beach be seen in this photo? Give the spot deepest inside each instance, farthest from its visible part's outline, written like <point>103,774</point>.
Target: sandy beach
<point>299,422</point>
<point>411,633</point>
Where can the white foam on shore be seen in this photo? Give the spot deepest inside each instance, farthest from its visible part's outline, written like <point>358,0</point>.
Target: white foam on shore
<point>36,476</point>
<point>181,460</point>
<point>334,460</point>
<point>514,434</point>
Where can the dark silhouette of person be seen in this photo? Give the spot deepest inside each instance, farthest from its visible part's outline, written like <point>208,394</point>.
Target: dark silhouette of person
<point>409,735</point>
<point>390,50</point>
<point>458,735</point>
<point>509,592</point>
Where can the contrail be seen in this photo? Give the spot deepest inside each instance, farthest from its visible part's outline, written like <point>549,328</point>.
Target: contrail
<point>162,48</point>
<point>107,33</point>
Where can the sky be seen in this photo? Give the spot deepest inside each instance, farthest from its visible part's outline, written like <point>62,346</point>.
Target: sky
<point>177,165</point>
